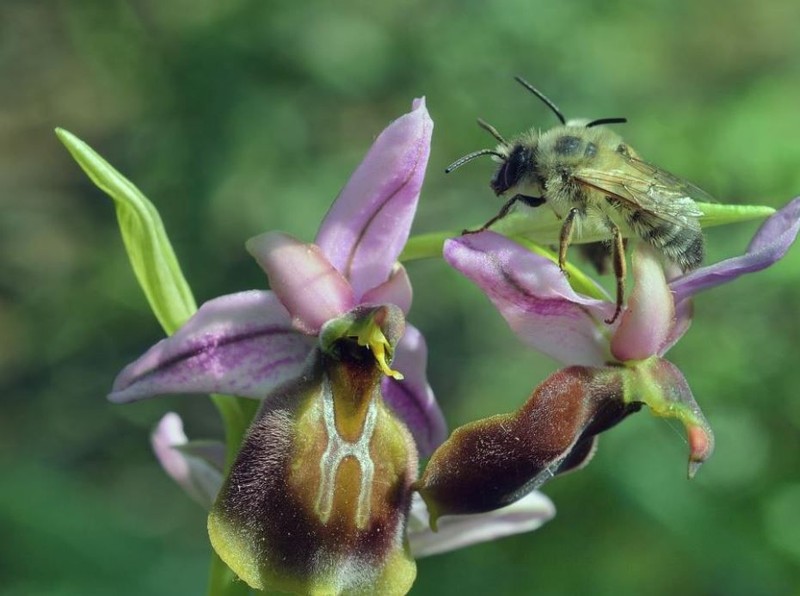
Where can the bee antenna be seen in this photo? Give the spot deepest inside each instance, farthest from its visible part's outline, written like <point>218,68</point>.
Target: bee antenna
<point>461,161</point>
<point>491,130</point>
<point>606,121</point>
<point>542,96</point>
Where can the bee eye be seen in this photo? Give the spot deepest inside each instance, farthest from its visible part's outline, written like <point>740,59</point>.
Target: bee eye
<point>568,145</point>
<point>512,170</point>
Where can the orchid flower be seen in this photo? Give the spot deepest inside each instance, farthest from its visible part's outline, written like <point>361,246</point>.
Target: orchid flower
<point>319,495</point>
<point>247,344</point>
<point>615,368</point>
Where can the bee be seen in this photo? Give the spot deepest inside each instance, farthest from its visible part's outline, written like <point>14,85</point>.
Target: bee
<point>590,177</point>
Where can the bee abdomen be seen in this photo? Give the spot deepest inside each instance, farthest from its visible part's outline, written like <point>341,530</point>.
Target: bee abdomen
<point>681,245</point>
<point>693,250</point>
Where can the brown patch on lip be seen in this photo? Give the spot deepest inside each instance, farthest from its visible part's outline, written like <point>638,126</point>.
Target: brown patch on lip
<point>493,462</point>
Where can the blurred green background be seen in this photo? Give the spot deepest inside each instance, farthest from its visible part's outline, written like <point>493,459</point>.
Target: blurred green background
<point>242,116</point>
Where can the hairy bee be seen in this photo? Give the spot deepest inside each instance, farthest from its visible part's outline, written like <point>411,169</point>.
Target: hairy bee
<point>589,176</point>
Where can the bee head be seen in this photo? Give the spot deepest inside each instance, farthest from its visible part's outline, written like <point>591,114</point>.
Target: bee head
<point>518,157</point>
<point>518,163</point>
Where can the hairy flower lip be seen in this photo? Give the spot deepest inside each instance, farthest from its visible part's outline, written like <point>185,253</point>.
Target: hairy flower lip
<point>317,498</point>
<point>512,454</point>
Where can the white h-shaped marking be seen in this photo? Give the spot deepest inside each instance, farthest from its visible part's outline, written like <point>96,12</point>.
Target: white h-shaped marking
<point>338,449</point>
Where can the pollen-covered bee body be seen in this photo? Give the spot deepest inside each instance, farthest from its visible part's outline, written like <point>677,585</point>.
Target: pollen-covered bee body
<point>592,179</point>
<point>594,172</point>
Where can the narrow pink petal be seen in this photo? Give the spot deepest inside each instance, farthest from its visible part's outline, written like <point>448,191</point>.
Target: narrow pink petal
<point>368,224</point>
<point>395,290</point>
<point>534,297</point>
<point>308,285</point>
<point>241,344</point>
<point>458,531</point>
<point>200,479</point>
<point>412,398</point>
<point>650,314</point>
<point>768,246</point>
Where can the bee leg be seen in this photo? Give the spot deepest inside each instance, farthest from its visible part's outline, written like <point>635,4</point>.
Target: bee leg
<point>618,254</point>
<point>528,200</point>
<point>566,237</point>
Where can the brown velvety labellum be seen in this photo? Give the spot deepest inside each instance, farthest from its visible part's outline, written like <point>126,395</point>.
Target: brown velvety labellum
<point>493,462</point>
<point>317,499</point>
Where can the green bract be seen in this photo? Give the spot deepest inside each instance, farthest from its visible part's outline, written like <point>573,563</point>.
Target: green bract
<point>149,249</point>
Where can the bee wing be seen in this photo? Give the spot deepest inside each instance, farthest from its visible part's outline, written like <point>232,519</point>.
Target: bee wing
<point>641,185</point>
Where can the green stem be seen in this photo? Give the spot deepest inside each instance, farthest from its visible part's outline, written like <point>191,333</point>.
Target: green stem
<point>425,246</point>
<point>236,413</point>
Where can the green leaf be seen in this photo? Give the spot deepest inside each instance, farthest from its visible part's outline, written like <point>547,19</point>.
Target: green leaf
<point>146,241</point>
<point>715,214</point>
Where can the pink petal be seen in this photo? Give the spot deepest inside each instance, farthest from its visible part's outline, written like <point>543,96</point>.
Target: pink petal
<point>241,344</point>
<point>395,290</point>
<point>683,320</point>
<point>307,284</point>
<point>458,531</point>
<point>200,479</point>
<point>412,398</point>
<point>368,224</point>
<point>769,245</point>
<point>650,315</point>
<point>534,297</point>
